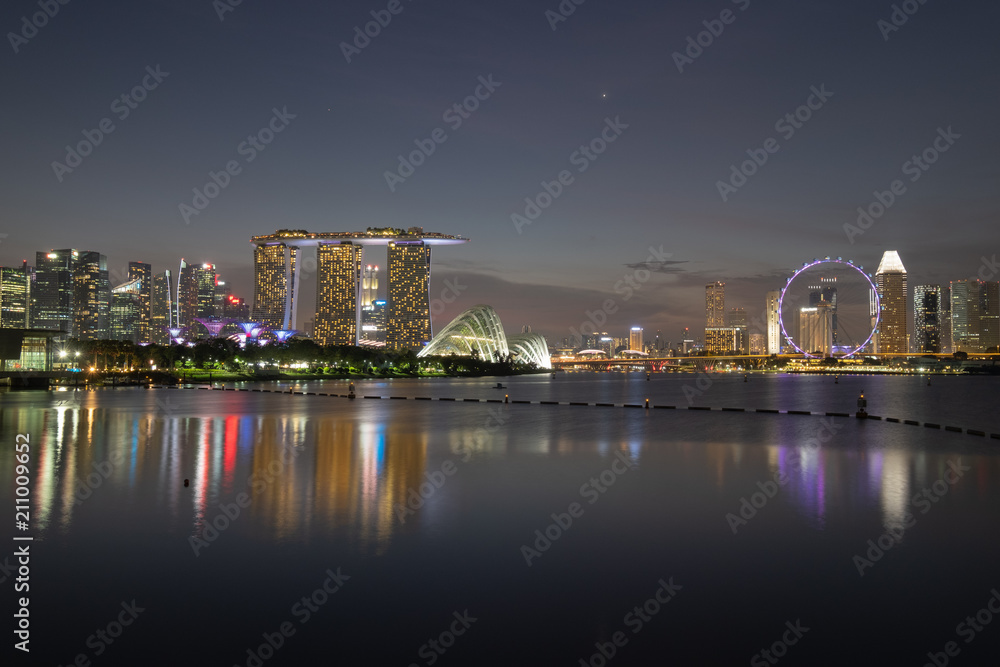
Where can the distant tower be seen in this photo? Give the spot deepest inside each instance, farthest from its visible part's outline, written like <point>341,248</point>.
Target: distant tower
<point>635,339</point>
<point>715,305</point>
<point>890,279</point>
<point>927,318</point>
<point>15,296</point>
<point>369,286</point>
<point>161,308</point>
<point>773,322</point>
<point>816,329</point>
<point>144,274</point>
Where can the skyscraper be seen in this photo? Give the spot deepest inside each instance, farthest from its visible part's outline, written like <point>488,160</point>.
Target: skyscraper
<point>126,311</point>
<point>196,285</point>
<point>369,286</point>
<point>773,322</point>
<point>91,296</point>
<point>274,286</point>
<point>338,291</point>
<point>890,279</point>
<point>736,318</point>
<point>826,292</point>
<point>965,305</point>
<point>161,308</point>
<point>52,296</point>
<point>989,317</point>
<point>927,319</point>
<point>715,305</point>
<point>144,274</point>
<point>635,339</point>
<point>408,323</point>
<point>15,296</point>
<point>816,329</point>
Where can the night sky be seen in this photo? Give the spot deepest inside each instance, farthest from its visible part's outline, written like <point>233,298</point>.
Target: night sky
<point>554,91</point>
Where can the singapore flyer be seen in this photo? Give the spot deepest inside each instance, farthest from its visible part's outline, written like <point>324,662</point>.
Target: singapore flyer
<point>829,308</point>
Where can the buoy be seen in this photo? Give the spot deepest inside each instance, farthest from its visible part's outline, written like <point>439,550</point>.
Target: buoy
<point>647,404</point>
<point>746,378</point>
<point>862,413</point>
<point>647,377</point>
<point>350,391</point>
<point>187,482</point>
<point>506,398</point>
<point>836,379</point>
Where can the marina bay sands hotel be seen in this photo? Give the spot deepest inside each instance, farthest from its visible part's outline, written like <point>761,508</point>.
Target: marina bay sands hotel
<point>278,268</point>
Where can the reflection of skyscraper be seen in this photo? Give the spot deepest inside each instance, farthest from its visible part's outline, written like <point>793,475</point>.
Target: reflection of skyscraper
<point>338,292</point>
<point>927,318</point>
<point>715,305</point>
<point>773,322</point>
<point>890,278</point>
<point>408,323</point>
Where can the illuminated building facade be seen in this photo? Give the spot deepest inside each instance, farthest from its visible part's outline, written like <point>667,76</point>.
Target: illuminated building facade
<point>161,308</point>
<point>338,291</point>
<point>773,322</point>
<point>479,332</point>
<point>816,329</point>
<point>373,322</point>
<point>890,280</point>
<point>635,339</point>
<point>965,310</point>
<point>722,340</point>
<point>408,325</point>
<point>91,296</point>
<point>989,316</point>
<point>274,285</point>
<point>927,319</point>
<point>826,292</point>
<point>758,343</point>
<point>144,274</point>
<point>126,311</point>
<point>53,292</point>
<point>715,305</point>
<point>407,315</point>
<point>15,297</point>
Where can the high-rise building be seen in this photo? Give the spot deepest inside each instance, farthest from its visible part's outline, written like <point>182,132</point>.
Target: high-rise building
<point>816,329</point>
<point>723,340</point>
<point>890,279</point>
<point>53,291</point>
<point>946,342</point>
<point>126,311</point>
<point>773,322</point>
<point>989,316</point>
<point>144,274</point>
<point>369,286</point>
<point>161,308</point>
<point>758,343</point>
<point>196,287</point>
<point>826,292</point>
<point>91,296</point>
<point>15,296</point>
<point>274,285</point>
<point>965,311</point>
<point>635,339</point>
<point>736,318</point>
<point>373,322</point>
<point>338,291</point>
<point>408,323</point>
<point>927,319</point>
<point>715,305</point>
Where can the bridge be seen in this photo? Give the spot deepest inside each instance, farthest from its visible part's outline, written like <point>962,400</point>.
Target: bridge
<point>751,361</point>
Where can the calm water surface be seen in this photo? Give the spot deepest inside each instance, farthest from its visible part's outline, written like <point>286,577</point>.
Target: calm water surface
<point>423,516</point>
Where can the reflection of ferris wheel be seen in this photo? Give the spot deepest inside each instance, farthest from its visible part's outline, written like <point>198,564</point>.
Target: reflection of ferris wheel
<point>875,308</point>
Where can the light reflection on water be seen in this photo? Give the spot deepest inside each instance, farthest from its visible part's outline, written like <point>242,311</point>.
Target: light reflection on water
<point>327,478</point>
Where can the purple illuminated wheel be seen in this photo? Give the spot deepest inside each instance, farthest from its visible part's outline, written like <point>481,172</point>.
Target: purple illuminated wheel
<point>855,307</point>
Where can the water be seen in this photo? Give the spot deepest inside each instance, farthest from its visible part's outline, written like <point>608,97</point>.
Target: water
<point>650,503</point>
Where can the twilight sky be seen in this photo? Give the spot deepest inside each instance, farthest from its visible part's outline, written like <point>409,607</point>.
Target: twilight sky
<point>554,91</point>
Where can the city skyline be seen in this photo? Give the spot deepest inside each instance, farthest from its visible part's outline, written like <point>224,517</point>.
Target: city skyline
<point>344,125</point>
